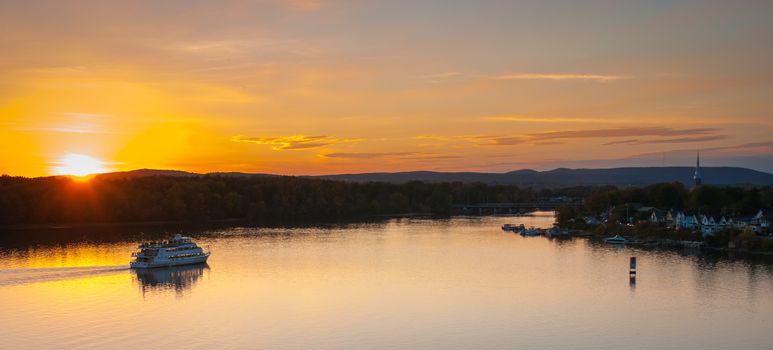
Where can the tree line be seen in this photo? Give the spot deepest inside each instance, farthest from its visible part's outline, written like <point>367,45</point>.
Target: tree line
<point>274,199</point>
<point>254,198</point>
<point>706,199</point>
<point>621,203</point>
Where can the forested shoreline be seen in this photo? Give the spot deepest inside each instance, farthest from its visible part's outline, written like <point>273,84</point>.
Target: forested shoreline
<point>643,213</point>
<point>619,205</point>
<point>276,199</point>
<point>255,199</point>
<point>706,199</point>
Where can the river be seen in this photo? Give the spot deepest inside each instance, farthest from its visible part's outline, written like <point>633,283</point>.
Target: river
<point>411,283</point>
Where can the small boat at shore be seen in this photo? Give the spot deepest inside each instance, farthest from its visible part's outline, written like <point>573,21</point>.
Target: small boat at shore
<point>555,232</point>
<point>175,252</point>
<point>530,232</point>
<point>617,239</point>
<point>513,228</point>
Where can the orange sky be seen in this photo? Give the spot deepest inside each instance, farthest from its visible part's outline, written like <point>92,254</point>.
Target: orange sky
<point>315,87</point>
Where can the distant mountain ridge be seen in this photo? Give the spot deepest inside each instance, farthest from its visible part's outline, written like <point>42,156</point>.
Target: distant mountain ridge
<point>561,177</point>
<point>633,176</point>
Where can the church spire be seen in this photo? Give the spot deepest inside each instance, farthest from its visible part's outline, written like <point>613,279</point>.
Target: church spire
<point>697,177</point>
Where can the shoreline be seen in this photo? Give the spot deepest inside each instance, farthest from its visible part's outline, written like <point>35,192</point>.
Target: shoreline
<point>65,226</point>
<point>245,221</point>
<point>573,233</point>
<point>232,221</point>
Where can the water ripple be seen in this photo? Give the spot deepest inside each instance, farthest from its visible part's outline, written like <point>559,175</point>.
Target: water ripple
<point>10,277</point>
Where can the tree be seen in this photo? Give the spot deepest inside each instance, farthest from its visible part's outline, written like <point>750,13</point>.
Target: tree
<point>565,213</point>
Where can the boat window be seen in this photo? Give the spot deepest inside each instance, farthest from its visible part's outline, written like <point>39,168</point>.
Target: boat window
<point>150,252</point>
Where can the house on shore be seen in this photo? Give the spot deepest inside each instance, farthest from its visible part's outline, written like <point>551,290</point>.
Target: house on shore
<point>707,224</point>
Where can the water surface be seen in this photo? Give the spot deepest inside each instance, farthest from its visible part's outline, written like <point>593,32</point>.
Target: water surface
<point>458,283</point>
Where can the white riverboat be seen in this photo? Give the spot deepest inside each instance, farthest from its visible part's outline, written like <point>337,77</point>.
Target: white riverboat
<point>174,252</point>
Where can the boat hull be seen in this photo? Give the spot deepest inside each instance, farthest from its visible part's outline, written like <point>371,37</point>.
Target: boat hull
<point>167,263</point>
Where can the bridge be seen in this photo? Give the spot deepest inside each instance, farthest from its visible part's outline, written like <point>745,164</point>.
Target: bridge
<point>510,208</point>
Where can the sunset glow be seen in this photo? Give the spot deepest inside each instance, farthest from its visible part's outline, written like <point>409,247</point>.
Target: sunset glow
<point>78,165</point>
<point>285,87</point>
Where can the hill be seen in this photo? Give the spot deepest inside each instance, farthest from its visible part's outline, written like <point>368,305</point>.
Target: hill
<point>561,177</point>
<point>144,173</point>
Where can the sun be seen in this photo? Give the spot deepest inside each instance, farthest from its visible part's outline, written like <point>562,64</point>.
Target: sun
<point>78,165</point>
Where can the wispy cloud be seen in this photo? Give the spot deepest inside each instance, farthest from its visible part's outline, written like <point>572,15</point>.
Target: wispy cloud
<point>619,132</point>
<point>755,147</point>
<point>561,76</point>
<point>687,139</point>
<point>293,142</point>
<point>742,150</point>
<point>367,155</point>
<point>70,123</point>
<point>757,155</point>
<point>392,155</point>
<point>226,46</point>
<point>445,139</point>
<point>622,142</point>
<point>444,77</point>
<point>508,141</point>
<point>488,140</point>
<point>658,134</point>
<point>529,119</point>
<point>671,140</point>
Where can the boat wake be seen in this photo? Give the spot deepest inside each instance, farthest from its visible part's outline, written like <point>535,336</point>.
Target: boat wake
<point>10,277</point>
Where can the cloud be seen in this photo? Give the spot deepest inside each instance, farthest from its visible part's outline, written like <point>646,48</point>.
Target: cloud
<point>516,140</point>
<point>746,149</point>
<point>455,138</point>
<point>554,137</point>
<point>757,155</point>
<point>559,77</point>
<point>480,140</point>
<point>392,155</point>
<point>435,137</point>
<point>527,119</point>
<point>688,139</point>
<point>444,77</point>
<point>69,123</point>
<point>619,132</point>
<point>369,155</point>
<point>220,47</point>
<point>507,141</point>
<point>293,142</point>
<point>672,140</point>
<point>454,75</point>
<point>622,142</point>
<point>754,147</point>
<point>488,140</point>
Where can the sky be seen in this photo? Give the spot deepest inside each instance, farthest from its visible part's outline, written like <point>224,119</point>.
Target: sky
<point>323,87</point>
